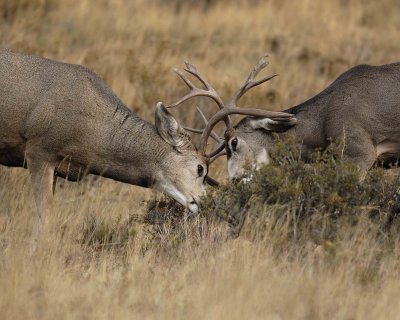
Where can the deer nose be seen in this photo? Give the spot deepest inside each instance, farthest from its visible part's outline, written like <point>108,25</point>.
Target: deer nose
<point>236,179</point>
<point>193,206</point>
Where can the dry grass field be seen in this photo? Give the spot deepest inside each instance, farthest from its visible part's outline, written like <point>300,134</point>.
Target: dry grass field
<point>320,249</point>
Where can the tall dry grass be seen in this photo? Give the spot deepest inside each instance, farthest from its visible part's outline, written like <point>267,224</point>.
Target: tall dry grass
<point>99,261</point>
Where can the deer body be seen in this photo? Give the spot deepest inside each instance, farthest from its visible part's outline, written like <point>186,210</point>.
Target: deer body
<point>362,106</point>
<point>59,119</point>
<point>54,103</point>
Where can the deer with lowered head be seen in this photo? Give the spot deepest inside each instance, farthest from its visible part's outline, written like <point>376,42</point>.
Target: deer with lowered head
<point>362,106</point>
<point>62,120</point>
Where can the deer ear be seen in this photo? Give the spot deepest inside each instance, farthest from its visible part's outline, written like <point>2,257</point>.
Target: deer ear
<point>170,130</point>
<point>272,124</point>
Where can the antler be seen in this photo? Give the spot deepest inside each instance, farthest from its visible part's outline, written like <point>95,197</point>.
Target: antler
<point>250,83</point>
<point>228,109</point>
<point>213,134</point>
<point>195,91</point>
<point>213,155</point>
<point>221,114</point>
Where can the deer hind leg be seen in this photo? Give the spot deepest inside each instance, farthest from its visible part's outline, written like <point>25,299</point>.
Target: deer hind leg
<point>43,183</point>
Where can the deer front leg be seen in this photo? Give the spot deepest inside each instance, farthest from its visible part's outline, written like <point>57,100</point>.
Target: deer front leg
<point>362,152</point>
<point>43,182</point>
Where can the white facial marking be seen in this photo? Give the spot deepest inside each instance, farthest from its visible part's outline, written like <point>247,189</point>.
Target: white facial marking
<point>233,172</point>
<point>193,208</point>
<point>262,158</point>
<point>236,171</point>
<point>166,187</point>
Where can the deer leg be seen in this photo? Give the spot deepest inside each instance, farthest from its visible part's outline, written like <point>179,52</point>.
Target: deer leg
<point>43,183</point>
<point>363,153</point>
<point>54,182</point>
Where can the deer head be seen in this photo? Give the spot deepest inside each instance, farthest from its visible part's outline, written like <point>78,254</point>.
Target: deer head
<point>183,172</point>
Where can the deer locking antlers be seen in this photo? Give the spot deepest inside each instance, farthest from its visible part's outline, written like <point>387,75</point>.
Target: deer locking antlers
<point>225,109</point>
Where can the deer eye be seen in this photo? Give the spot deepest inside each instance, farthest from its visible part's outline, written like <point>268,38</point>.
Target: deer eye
<point>200,170</point>
<point>234,144</point>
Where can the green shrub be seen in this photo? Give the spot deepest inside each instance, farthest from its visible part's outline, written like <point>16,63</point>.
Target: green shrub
<point>310,202</point>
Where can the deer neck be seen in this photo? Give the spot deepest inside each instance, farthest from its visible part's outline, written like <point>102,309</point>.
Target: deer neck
<point>309,129</point>
<point>130,151</point>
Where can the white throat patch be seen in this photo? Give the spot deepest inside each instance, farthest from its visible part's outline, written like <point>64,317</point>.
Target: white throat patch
<point>262,158</point>
<point>170,190</point>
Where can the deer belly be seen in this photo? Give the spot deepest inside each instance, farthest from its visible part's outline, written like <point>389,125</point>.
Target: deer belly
<point>71,170</point>
<point>388,152</point>
<point>12,157</point>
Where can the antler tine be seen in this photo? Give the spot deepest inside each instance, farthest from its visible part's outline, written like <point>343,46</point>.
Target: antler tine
<point>200,131</point>
<point>218,149</point>
<point>212,182</point>
<point>195,91</point>
<point>193,71</point>
<point>221,142</point>
<point>194,130</point>
<point>213,134</point>
<point>250,83</point>
<point>202,115</point>
<point>222,153</point>
<point>184,78</point>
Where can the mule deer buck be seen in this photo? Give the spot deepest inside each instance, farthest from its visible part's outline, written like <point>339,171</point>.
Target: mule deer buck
<point>62,120</point>
<point>362,105</point>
